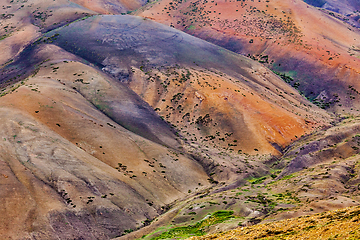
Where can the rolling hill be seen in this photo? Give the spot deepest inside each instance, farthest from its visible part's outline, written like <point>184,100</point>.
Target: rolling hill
<point>90,115</point>
<point>312,50</point>
<point>118,126</point>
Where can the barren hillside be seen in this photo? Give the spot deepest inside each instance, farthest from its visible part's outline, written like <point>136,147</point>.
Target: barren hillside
<point>119,126</point>
<point>312,50</point>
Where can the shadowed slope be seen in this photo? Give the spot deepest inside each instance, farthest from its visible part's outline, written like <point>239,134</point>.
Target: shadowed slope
<point>316,52</point>
<point>347,11</point>
<point>165,66</point>
<point>73,166</point>
<point>22,22</point>
<point>111,6</point>
<point>91,140</point>
<point>119,103</point>
<point>346,7</point>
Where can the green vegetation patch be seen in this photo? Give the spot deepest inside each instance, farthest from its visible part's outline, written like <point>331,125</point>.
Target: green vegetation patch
<point>287,177</point>
<point>257,180</point>
<point>286,78</point>
<point>4,36</point>
<point>197,229</point>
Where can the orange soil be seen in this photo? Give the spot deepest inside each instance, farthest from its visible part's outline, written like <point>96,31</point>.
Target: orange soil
<point>256,121</point>
<point>315,37</point>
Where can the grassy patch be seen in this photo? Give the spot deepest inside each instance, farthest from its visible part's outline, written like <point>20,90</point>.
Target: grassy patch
<point>4,36</point>
<point>257,180</point>
<point>287,177</point>
<point>338,224</point>
<point>197,229</point>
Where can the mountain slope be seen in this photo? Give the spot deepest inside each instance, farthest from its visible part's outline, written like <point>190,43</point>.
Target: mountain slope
<point>117,123</point>
<point>22,22</point>
<point>347,11</point>
<point>318,173</point>
<point>343,7</point>
<point>314,52</point>
<point>111,6</point>
<point>160,65</point>
<point>82,138</point>
<point>67,160</point>
<point>336,224</point>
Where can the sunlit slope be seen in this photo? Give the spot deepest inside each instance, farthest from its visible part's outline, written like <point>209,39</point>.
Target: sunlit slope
<point>81,125</point>
<point>341,223</point>
<point>318,173</point>
<point>65,163</point>
<point>21,22</point>
<point>318,52</point>
<point>219,96</point>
